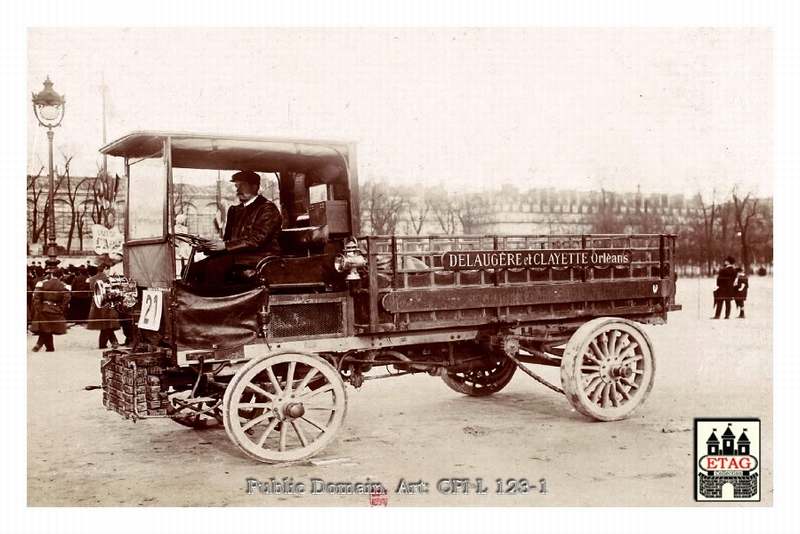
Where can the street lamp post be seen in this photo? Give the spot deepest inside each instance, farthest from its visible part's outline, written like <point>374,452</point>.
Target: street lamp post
<point>48,106</point>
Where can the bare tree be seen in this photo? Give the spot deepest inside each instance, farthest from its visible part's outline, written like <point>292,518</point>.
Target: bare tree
<point>604,219</point>
<point>37,215</point>
<point>58,182</point>
<point>417,209</point>
<point>182,198</point>
<point>725,239</point>
<point>760,235</point>
<point>444,210</point>
<point>745,210</point>
<point>646,221</point>
<point>71,195</point>
<point>83,210</point>
<point>97,196</point>
<point>473,212</point>
<point>709,217</point>
<point>382,205</point>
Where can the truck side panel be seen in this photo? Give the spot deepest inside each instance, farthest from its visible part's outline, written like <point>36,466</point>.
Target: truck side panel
<point>413,283</point>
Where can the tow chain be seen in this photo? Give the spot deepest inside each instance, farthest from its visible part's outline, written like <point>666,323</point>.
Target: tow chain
<point>536,377</point>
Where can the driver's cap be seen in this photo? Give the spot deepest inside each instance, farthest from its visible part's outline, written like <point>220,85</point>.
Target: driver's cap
<point>249,177</point>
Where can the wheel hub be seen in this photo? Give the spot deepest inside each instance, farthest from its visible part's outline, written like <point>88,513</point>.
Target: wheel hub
<point>294,410</point>
<point>621,372</point>
<point>612,369</point>
<point>288,409</point>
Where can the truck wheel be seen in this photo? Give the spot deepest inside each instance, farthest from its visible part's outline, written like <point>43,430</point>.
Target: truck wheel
<point>483,382</point>
<point>608,368</point>
<point>284,407</point>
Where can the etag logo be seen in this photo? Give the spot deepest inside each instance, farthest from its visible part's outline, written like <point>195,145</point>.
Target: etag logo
<point>727,465</point>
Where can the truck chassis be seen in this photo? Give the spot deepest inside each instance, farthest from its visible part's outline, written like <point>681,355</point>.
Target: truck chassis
<point>283,397</point>
<point>269,356</point>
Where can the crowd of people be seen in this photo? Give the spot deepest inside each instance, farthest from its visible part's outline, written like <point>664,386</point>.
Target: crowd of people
<point>76,280</point>
<point>61,297</point>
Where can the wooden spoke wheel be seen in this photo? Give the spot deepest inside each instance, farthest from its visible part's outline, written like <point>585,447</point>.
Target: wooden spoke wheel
<point>284,407</point>
<point>608,368</point>
<point>483,382</point>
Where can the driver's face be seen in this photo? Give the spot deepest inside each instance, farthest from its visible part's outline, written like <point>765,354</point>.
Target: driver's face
<point>245,191</point>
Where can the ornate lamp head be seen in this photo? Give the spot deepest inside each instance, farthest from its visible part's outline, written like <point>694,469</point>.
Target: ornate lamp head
<point>48,106</point>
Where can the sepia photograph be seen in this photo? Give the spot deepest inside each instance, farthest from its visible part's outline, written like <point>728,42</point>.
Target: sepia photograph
<point>401,266</point>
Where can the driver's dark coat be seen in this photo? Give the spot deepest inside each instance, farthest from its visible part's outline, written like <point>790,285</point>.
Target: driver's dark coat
<point>252,232</point>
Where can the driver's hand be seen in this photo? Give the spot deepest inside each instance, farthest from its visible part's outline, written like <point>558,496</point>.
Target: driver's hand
<point>217,245</point>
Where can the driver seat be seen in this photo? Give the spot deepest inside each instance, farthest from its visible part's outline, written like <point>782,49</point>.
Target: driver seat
<point>247,274</point>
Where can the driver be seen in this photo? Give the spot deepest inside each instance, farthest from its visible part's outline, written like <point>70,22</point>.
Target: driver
<point>251,233</point>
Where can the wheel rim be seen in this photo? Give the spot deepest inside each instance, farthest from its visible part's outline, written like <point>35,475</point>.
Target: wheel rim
<point>482,382</point>
<point>608,369</point>
<point>285,407</point>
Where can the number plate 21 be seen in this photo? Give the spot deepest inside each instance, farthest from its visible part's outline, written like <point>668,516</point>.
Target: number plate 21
<point>152,302</point>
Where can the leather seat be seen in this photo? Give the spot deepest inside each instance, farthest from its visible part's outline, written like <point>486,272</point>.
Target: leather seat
<point>247,274</point>
<point>298,242</point>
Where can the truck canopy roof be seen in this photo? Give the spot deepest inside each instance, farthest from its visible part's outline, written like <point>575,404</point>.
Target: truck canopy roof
<point>325,160</point>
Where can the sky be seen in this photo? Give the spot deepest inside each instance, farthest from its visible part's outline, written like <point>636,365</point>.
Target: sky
<point>661,109</point>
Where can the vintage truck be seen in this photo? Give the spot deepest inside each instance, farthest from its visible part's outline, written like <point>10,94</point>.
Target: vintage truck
<point>268,355</point>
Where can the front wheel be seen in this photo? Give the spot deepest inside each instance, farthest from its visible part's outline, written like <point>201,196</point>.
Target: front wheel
<point>608,368</point>
<point>284,407</point>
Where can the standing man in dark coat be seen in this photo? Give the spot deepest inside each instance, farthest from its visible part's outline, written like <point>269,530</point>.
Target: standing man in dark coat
<point>33,281</point>
<point>251,233</point>
<point>50,302</point>
<point>726,289</point>
<point>81,296</point>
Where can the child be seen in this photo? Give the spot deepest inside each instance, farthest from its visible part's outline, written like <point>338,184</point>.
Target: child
<point>742,284</point>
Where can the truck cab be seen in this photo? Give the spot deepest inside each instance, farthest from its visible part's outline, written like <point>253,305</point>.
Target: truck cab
<point>178,193</point>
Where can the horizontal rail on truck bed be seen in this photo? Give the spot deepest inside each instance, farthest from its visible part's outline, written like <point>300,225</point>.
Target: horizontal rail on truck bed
<point>442,281</point>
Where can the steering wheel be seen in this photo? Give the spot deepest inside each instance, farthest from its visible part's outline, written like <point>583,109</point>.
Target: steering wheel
<point>194,240</point>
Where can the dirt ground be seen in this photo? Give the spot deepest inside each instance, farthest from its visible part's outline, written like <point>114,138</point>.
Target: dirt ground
<point>415,429</point>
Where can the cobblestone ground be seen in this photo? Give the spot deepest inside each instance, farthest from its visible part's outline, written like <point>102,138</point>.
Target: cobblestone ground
<point>416,429</point>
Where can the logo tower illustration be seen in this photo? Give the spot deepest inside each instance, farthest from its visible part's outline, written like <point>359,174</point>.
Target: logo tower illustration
<point>727,467</point>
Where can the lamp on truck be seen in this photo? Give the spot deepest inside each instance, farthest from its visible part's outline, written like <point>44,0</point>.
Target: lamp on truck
<point>350,259</point>
<point>115,291</point>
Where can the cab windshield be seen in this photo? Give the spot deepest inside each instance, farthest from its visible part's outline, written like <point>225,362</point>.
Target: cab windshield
<point>147,195</point>
<point>180,184</point>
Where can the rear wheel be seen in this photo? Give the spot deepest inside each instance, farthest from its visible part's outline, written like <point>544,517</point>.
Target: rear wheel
<point>284,407</point>
<point>482,382</point>
<point>608,368</point>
